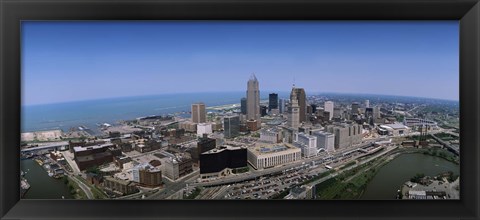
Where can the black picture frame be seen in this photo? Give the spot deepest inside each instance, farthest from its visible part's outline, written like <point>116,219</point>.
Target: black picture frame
<point>467,12</point>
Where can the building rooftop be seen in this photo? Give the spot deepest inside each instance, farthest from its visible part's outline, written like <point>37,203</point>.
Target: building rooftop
<point>394,126</point>
<point>78,149</point>
<point>222,148</point>
<point>262,148</point>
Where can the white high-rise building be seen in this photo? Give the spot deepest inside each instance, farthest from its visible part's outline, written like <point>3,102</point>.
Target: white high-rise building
<point>253,100</point>
<point>325,140</point>
<point>329,108</point>
<point>307,143</point>
<point>204,128</point>
<point>367,103</point>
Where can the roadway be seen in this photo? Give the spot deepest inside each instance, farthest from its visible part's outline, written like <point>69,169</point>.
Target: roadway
<point>83,187</point>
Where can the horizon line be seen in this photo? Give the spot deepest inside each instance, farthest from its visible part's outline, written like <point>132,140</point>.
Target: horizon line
<point>205,92</point>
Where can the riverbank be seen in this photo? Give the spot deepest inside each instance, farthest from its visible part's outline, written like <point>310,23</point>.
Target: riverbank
<point>401,167</point>
<point>42,186</point>
<point>353,183</point>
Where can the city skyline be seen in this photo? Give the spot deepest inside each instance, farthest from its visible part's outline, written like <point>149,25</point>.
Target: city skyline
<point>73,61</point>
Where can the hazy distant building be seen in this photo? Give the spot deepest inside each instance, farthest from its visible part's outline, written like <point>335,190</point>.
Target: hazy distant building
<point>231,126</point>
<point>367,103</point>
<point>243,106</point>
<point>272,101</point>
<point>314,108</point>
<point>294,114</point>
<point>299,94</point>
<point>346,134</point>
<point>253,100</point>
<point>263,110</point>
<point>376,112</point>
<point>325,140</point>
<point>271,135</point>
<point>198,113</point>
<point>337,112</point>
<point>329,108</point>
<point>355,107</point>
<point>281,106</point>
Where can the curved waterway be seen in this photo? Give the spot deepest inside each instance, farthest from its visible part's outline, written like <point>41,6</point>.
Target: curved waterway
<point>41,185</point>
<point>394,174</point>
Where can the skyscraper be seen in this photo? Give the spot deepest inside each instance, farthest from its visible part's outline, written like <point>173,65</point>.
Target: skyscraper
<point>281,106</point>
<point>272,101</point>
<point>243,105</point>
<point>367,103</point>
<point>301,97</point>
<point>329,108</point>
<point>198,113</point>
<point>253,100</point>
<point>231,126</point>
<point>294,113</point>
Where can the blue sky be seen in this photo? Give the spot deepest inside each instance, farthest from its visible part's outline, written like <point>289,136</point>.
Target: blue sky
<point>69,61</point>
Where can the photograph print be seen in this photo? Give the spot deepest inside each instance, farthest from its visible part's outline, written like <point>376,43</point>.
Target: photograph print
<point>233,110</point>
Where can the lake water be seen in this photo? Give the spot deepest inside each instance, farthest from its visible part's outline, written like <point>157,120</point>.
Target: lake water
<point>41,185</point>
<point>73,114</point>
<point>398,171</point>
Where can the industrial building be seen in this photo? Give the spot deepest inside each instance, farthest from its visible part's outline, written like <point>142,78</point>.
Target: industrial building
<point>118,186</point>
<point>176,167</point>
<point>90,156</point>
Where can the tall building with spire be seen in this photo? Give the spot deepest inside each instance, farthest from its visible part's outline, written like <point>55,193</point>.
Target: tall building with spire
<point>253,100</point>
<point>300,96</point>
<point>294,113</point>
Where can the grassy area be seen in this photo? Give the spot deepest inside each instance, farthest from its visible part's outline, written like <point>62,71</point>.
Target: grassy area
<point>349,164</point>
<point>282,194</point>
<point>75,190</point>
<point>350,184</point>
<point>318,177</point>
<point>241,170</point>
<point>97,193</point>
<point>442,153</point>
<point>194,194</point>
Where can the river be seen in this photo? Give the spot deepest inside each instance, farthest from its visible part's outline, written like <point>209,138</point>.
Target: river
<point>41,185</point>
<point>394,174</point>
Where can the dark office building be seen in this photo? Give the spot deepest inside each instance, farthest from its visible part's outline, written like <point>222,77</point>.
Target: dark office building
<point>231,126</point>
<point>263,110</point>
<point>217,160</point>
<point>243,105</point>
<point>314,108</point>
<point>272,101</point>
